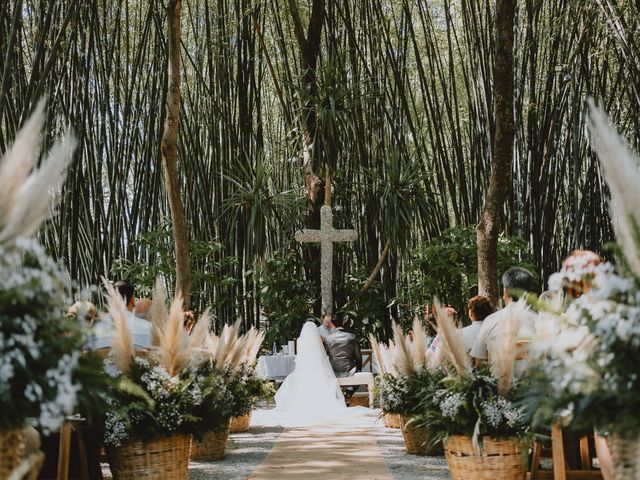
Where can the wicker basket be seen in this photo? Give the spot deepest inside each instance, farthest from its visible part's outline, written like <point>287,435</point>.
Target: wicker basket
<point>392,420</point>
<point>416,439</point>
<point>212,447</point>
<point>500,459</point>
<point>12,450</point>
<point>162,458</point>
<point>625,456</point>
<point>240,424</point>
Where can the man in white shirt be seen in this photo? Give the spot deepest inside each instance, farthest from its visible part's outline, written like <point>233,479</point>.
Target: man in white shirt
<point>103,329</point>
<point>516,282</point>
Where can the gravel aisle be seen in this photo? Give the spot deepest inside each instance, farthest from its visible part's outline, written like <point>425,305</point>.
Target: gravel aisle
<point>246,451</point>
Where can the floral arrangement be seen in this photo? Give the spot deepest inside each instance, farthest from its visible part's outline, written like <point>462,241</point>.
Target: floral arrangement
<point>472,406</point>
<point>475,403</point>
<point>586,370</point>
<point>405,394</point>
<point>163,392</point>
<point>148,402</point>
<point>39,348</point>
<point>247,389</point>
<point>588,349</point>
<point>43,377</point>
<point>408,371</point>
<point>232,356</point>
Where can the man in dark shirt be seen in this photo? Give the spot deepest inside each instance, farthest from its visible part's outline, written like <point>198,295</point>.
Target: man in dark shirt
<point>343,350</point>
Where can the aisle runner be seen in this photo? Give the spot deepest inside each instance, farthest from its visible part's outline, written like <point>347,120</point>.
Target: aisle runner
<point>324,452</point>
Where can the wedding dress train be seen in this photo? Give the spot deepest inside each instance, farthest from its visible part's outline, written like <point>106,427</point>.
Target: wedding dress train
<point>310,394</point>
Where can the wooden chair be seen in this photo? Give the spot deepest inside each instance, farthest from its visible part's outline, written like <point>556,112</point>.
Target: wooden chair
<point>366,359</point>
<point>64,451</point>
<point>561,468</point>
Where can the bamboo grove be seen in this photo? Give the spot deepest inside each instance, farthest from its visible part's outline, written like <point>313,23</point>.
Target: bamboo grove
<point>403,107</point>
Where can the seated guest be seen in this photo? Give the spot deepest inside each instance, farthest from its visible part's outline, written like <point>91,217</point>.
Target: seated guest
<point>516,282</point>
<point>142,308</point>
<point>343,350</point>
<point>479,308</point>
<point>578,271</point>
<point>434,346</point>
<point>140,329</point>
<point>188,321</point>
<point>84,310</point>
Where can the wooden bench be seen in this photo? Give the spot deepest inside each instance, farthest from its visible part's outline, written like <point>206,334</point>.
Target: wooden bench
<point>357,379</point>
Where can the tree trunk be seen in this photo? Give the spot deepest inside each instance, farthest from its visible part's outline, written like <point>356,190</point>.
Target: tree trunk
<point>309,45</point>
<point>170,154</point>
<point>492,217</point>
<point>372,276</point>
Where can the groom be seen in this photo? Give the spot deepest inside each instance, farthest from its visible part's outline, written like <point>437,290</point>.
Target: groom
<point>342,349</point>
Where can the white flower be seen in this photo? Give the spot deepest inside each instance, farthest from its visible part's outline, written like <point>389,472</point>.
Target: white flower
<point>451,404</point>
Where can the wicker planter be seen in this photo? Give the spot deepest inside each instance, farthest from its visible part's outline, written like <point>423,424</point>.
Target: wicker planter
<point>161,458</point>
<point>240,424</point>
<point>625,454</point>
<point>213,446</point>
<point>500,459</point>
<point>416,439</point>
<point>20,453</point>
<point>12,450</point>
<point>392,420</point>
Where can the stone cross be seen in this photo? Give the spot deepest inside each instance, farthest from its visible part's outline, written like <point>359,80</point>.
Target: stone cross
<point>326,236</point>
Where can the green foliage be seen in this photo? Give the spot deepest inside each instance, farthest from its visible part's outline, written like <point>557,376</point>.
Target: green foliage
<point>286,296</point>
<point>148,403</point>
<point>287,299</point>
<point>471,406</point>
<point>447,268</point>
<point>247,389</point>
<point>403,199</point>
<point>218,399</point>
<point>585,373</point>
<point>43,374</point>
<point>209,266</point>
<point>366,315</point>
<point>406,394</point>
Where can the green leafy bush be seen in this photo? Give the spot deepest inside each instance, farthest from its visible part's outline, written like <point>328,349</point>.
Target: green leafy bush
<point>43,374</point>
<point>148,403</point>
<point>471,406</point>
<point>406,394</point>
<point>286,296</point>
<point>247,389</point>
<point>447,268</point>
<point>209,267</point>
<point>586,358</point>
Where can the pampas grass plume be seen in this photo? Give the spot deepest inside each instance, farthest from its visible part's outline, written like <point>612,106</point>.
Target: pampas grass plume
<point>622,172</point>
<point>503,348</point>
<point>451,344</point>
<point>122,346</point>
<point>401,354</point>
<point>158,312</point>
<point>25,198</point>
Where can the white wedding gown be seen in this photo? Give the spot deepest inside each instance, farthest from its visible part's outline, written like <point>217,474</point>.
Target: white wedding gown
<point>310,394</point>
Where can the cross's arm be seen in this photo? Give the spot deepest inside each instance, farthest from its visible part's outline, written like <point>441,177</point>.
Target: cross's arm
<point>307,235</point>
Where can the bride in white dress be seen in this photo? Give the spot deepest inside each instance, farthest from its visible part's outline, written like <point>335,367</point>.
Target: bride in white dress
<point>312,386</point>
<point>310,394</point>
